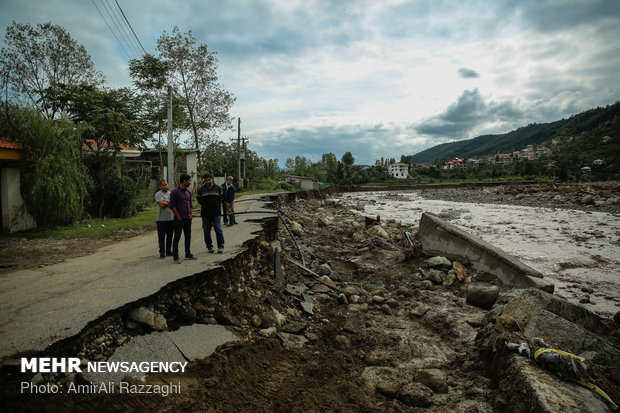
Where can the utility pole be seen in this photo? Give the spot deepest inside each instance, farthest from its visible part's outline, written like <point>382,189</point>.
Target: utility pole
<point>170,141</point>
<point>239,153</point>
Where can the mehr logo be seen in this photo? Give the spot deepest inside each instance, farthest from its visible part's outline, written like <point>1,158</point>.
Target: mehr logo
<point>51,365</point>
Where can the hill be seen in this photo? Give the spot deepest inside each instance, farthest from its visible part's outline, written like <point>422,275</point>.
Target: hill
<point>587,127</point>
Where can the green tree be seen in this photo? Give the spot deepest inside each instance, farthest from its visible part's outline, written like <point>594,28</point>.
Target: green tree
<point>192,72</point>
<point>109,118</point>
<point>35,59</point>
<point>348,159</point>
<point>53,176</point>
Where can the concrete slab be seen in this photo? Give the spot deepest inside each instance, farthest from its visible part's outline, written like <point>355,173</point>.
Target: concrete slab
<point>440,237</point>
<point>41,306</point>
<point>186,344</point>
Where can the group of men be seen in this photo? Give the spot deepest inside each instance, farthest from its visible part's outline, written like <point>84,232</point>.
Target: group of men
<point>175,209</point>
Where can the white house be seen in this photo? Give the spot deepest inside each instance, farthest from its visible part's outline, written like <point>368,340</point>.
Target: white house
<point>399,170</point>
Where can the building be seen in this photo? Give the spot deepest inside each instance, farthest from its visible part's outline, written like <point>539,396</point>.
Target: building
<point>399,170</point>
<point>15,217</point>
<point>301,182</point>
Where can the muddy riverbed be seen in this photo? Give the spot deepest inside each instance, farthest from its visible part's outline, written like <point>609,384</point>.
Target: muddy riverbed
<point>575,245</point>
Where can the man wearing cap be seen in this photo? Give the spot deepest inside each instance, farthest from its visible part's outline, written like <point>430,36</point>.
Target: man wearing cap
<point>229,199</point>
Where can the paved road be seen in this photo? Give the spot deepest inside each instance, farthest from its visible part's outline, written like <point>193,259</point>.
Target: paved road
<point>41,306</point>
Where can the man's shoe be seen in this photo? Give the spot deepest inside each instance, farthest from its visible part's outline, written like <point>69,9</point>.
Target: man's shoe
<point>190,257</point>
<point>211,250</point>
<point>178,260</point>
<point>162,256</point>
<point>169,254</point>
<point>220,250</point>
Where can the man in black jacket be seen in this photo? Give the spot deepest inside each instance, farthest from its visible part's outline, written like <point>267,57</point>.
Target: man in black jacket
<point>209,196</point>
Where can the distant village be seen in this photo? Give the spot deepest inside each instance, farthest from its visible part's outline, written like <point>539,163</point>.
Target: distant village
<point>400,170</point>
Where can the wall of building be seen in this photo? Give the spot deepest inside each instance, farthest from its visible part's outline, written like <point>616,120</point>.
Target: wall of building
<point>15,217</point>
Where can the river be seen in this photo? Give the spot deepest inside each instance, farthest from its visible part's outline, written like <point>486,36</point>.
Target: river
<point>579,251</point>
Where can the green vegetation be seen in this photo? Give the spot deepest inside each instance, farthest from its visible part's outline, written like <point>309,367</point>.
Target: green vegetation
<point>95,228</point>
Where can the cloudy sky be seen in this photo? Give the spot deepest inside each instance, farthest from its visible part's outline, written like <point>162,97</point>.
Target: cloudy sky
<point>378,78</point>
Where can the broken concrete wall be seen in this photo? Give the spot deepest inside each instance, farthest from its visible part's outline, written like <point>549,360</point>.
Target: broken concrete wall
<point>439,237</point>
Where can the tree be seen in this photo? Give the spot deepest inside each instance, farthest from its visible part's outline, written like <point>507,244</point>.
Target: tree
<point>37,58</point>
<point>109,119</point>
<point>53,183</point>
<point>348,159</point>
<point>192,72</point>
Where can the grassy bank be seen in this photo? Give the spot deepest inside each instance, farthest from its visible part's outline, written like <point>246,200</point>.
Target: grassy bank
<point>94,228</point>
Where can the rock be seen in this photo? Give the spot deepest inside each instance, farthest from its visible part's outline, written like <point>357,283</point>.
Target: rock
<point>342,299</point>
<point>343,342</point>
<point>383,244</point>
<point>189,314</point>
<point>377,231</point>
<point>354,299</point>
<point>326,280</point>
<point>323,269</point>
<point>297,229</point>
<point>279,317</point>
<point>133,325</point>
<point>148,317</point>
<point>388,388</point>
<point>208,301</point>
<point>198,306</point>
<point>392,302</point>
<point>256,321</point>
<point>587,200</point>
<point>459,270</point>
<point>400,258</point>
<point>293,341</point>
<point>311,336</point>
<point>435,379</point>
<point>404,291</point>
<point>349,291</point>
<point>617,317</point>
<point>416,395</point>
<point>587,290</point>
<point>507,323</point>
<point>386,309</point>
<point>439,262</point>
<point>435,276</point>
<point>223,316</point>
<point>482,296</point>
<point>424,285</point>
<point>450,278</point>
<point>268,332</point>
<point>99,340</point>
<point>377,299</point>
<point>335,276</point>
<point>585,299</point>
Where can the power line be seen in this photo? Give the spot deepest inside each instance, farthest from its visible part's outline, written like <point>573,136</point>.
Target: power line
<point>129,24</point>
<point>125,31</point>
<point>113,33</point>
<point>113,19</point>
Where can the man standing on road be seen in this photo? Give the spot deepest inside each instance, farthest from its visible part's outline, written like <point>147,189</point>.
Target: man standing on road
<point>225,214</point>
<point>229,199</point>
<point>165,218</point>
<point>181,206</point>
<point>210,199</point>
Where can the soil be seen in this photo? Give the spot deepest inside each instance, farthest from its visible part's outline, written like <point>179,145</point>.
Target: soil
<point>19,253</point>
<point>396,340</point>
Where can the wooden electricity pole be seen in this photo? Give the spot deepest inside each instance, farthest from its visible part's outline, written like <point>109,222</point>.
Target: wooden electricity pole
<point>170,141</point>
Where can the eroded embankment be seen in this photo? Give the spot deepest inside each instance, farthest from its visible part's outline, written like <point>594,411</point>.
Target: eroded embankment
<point>370,323</point>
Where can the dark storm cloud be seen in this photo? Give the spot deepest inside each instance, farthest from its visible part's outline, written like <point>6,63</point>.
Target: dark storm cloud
<point>551,16</point>
<point>468,113</point>
<point>468,73</point>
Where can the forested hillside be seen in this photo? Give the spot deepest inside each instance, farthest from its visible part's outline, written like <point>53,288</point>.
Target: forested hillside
<point>588,126</point>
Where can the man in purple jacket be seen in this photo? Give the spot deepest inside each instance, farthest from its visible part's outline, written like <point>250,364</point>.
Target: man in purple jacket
<point>181,206</point>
